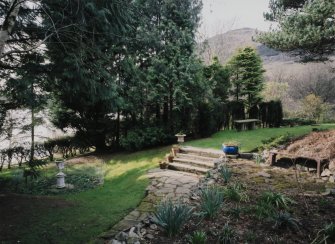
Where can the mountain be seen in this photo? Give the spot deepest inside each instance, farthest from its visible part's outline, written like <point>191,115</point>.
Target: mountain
<point>276,63</point>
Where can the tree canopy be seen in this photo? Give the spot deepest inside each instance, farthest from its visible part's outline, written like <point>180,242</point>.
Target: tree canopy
<point>304,27</point>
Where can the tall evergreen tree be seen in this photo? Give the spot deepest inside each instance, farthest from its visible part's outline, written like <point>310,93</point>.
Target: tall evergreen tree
<point>246,77</point>
<point>83,64</point>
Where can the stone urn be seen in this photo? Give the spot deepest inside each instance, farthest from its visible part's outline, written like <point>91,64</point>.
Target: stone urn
<point>180,138</point>
<point>60,180</point>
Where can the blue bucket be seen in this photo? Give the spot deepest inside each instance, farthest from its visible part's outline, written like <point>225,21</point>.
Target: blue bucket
<point>232,150</point>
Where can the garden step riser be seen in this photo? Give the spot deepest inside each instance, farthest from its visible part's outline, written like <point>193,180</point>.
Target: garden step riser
<point>204,153</point>
<point>187,168</point>
<point>195,157</point>
<point>207,165</point>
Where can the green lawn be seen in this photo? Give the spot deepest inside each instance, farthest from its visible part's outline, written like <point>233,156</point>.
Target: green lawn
<point>80,217</point>
<point>252,139</point>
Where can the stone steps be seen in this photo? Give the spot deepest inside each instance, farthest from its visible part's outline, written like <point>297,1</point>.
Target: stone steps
<point>209,153</point>
<point>188,168</point>
<point>194,157</point>
<point>193,162</point>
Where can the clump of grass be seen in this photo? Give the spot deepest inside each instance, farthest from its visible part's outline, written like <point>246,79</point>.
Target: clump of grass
<point>211,200</point>
<point>198,237</point>
<point>276,199</point>
<point>236,212</point>
<point>226,173</point>
<point>284,220</point>
<point>227,235</point>
<point>172,216</point>
<point>326,234</point>
<point>263,210</point>
<point>236,192</point>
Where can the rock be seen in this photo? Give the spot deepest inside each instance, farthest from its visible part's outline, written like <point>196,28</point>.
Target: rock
<point>331,179</point>
<point>264,174</point>
<point>132,233</point>
<point>153,227</point>
<point>149,236</point>
<point>326,172</point>
<point>114,242</point>
<point>332,165</point>
<point>122,236</point>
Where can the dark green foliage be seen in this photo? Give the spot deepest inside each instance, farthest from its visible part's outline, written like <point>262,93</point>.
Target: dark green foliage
<point>137,139</point>
<point>211,201</point>
<point>274,142</point>
<point>198,237</point>
<point>172,216</point>
<point>45,184</point>
<point>206,122</point>
<point>284,220</point>
<point>306,27</point>
<point>297,121</point>
<point>227,235</point>
<point>247,77</point>
<point>271,113</point>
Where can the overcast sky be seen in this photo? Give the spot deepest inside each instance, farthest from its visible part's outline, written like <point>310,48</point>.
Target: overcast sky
<point>219,16</point>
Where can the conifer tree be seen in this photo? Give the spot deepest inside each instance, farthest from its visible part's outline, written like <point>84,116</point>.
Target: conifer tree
<point>305,27</point>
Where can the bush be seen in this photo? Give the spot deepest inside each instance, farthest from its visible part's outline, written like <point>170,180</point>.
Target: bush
<point>137,139</point>
<point>211,201</point>
<point>274,142</point>
<point>198,237</point>
<point>171,217</point>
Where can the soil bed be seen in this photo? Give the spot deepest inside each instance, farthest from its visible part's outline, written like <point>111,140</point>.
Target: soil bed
<point>313,208</point>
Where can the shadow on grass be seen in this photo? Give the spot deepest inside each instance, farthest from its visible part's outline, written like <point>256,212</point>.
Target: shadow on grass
<point>74,218</point>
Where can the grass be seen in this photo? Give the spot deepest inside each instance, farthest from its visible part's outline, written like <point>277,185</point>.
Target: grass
<point>79,217</point>
<point>252,139</point>
<point>82,216</point>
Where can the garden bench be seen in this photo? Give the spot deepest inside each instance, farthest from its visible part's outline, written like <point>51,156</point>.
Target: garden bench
<point>273,155</point>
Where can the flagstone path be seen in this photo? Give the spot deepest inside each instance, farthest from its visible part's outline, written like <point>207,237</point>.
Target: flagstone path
<point>164,183</point>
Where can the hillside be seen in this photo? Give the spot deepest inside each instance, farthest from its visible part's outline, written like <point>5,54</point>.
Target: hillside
<point>276,63</point>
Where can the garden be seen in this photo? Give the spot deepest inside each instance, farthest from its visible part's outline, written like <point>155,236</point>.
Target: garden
<point>107,187</point>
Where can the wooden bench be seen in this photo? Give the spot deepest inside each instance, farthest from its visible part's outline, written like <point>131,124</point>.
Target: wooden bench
<point>273,157</point>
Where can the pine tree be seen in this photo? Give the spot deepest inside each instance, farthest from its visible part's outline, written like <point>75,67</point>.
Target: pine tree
<point>305,27</point>
<point>246,77</point>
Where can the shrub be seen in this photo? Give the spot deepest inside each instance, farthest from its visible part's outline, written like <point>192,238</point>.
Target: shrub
<point>137,139</point>
<point>325,235</point>
<point>172,216</point>
<point>227,235</point>
<point>285,220</point>
<point>225,173</point>
<point>236,192</point>
<point>211,201</point>
<point>276,199</point>
<point>198,237</point>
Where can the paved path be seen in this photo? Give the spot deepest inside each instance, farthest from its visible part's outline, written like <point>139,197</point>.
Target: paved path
<point>163,184</point>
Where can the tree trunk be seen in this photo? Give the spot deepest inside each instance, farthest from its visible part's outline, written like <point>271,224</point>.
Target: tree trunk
<point>32,147</point>
<point>9,23</point>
